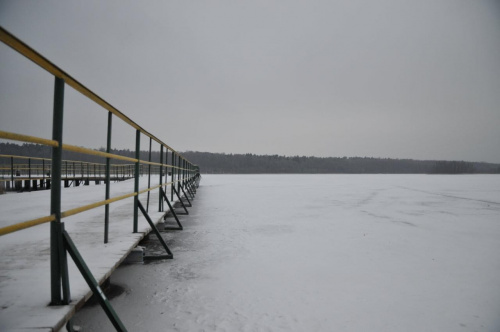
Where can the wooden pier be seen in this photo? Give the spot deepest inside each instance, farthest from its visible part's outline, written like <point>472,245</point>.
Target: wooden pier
<point>22,184</point>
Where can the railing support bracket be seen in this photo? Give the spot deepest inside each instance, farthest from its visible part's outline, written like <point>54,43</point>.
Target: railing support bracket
<point>180,201</point>
<point>180,228</point>
<point>94,286</point>
<point>169,254</point>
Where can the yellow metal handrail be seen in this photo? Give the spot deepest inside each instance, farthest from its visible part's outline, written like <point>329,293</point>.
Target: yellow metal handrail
<point>22,48</point>
<point>26,224</point>
<point>27,138</point>
<point>75,148</point>
<point>38,221</point>
<point>60,241</point>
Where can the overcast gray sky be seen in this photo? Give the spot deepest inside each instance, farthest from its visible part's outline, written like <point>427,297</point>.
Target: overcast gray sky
<point>384,78</point>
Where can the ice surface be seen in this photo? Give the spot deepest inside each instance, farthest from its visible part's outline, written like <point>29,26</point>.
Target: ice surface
<point>323,253</point>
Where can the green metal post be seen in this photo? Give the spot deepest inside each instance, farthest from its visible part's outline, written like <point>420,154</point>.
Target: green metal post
<point>136,183</point>
<point>108,178</point>
<point>173,176</point>
<point>166,168</point>
<point>179,173</point>
<point>12,171</point>
<point>160,201</point>
<point>56,247</point>
<point>149,173</point>
<point>184,172</point>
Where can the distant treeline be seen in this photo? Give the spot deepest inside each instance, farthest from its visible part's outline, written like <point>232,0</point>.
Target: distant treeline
<point>251,163</point>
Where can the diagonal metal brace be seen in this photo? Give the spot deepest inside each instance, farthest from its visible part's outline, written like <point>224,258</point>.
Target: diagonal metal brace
<point>155,230</point>
<point>180,200</point>
<point>186,197</point>
<point>94,286</point>
<point>192,185</point>
<point>173,212</point>
<point>192,188</point>
<point>190,194</point>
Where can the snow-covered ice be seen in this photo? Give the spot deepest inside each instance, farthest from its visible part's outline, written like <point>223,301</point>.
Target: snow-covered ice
<point>323,253</point>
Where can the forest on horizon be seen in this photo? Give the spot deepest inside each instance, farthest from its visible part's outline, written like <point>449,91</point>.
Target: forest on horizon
<point>220,163</point>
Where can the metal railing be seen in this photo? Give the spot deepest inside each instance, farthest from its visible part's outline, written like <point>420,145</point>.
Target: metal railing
<point>183,176</point>
<point>21,173</point>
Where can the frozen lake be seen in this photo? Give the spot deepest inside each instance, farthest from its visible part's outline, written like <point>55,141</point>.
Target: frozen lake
<point>323,253</point>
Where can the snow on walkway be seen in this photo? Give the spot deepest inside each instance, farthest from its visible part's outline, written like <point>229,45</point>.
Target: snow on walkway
<point>25,255</point>
<point>323,253</point>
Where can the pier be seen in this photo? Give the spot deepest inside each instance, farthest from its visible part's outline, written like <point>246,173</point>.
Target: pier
<point>58,246</point>
<point>24,173</point>
<point>25,255</point>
